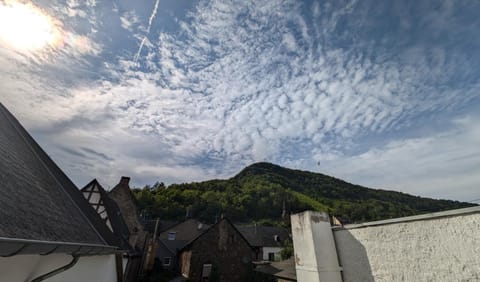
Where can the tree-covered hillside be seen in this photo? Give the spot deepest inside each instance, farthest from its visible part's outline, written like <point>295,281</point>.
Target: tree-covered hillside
<point>262,190</point>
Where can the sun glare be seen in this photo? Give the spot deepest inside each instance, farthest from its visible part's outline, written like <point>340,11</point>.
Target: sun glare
<point>25,27</point>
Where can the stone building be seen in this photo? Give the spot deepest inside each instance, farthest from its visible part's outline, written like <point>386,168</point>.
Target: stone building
<point>220,253</point>
<point>122,195</point>
<point>175,238</point>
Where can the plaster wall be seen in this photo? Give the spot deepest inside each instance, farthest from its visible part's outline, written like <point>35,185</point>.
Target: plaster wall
<point>23,268</point>
<point>275,250</point>
<point>443,248</point>
<point>314,248</point>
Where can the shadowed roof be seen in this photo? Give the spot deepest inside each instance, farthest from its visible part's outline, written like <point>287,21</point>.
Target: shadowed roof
<point>284,270</point>
<point>184,231</point>
<point>263,236</point>
<point>38,202</point>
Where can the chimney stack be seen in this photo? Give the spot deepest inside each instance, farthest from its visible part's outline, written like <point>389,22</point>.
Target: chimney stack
<point>314,248</point>
<point>124,180</point>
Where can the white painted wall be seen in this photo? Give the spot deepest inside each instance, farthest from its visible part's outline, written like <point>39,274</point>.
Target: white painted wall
<point>314,248</point>
<point>439,247</point>
<point>275,250</point>
<point>23,268</point>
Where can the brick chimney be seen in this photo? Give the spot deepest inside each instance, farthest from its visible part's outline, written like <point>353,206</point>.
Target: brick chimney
<point>124,180</point>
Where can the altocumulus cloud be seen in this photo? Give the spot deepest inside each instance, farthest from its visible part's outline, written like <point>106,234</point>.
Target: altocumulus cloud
<point>288,82</point>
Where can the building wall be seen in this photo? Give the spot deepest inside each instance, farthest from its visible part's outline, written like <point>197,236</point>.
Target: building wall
<point>314,248</point>
<point>163,252</point>
<point>275,250</point>
<point>27,267</point>
<point>437,247</point>
<point>123,196</point>
<point>223,247</point>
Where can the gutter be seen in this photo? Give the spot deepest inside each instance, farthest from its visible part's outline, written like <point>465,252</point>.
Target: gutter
<point>12,246</point>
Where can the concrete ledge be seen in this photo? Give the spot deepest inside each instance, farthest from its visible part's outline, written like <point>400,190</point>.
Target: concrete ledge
<point>428,216</point>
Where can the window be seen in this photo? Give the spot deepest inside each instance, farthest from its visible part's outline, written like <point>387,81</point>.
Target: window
<point>167,261</point>
<point>171,236</point>
<point>271,256</point>
<point>207,268</point>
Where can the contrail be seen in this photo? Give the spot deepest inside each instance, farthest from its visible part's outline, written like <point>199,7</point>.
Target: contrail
<point>150,21</point>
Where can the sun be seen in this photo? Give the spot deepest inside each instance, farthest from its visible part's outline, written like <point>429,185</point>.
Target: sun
<point>25,27</point>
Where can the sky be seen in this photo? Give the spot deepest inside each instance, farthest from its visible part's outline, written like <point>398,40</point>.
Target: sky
<point>384,94</point>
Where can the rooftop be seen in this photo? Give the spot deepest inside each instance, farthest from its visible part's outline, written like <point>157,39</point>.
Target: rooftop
<point>38,202</point>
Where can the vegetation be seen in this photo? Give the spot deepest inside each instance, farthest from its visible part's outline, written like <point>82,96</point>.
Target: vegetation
<point>261,191</point>
<point>287,250</point>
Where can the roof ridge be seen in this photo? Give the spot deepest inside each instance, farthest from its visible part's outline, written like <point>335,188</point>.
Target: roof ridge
<point>211,227</point>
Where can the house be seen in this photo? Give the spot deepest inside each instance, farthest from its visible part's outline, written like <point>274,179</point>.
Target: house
<point>267,241</point>
<point>110,213</point>
<point>175,238</point>
<point>47,228</point>
<point>163,225</point>
<point>220,253</point>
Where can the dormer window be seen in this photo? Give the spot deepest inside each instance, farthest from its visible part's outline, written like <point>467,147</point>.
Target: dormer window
<point>171,236</point>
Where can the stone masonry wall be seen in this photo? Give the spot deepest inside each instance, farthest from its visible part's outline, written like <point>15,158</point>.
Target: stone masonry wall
<point>223,247</point>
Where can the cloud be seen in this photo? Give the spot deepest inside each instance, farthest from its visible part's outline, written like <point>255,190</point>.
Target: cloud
<point>128,19</point>
<point>245,81</point>
<point>443,165</point>
<point>150,21</point>
<point>260,92</point>
<point>97,154</point>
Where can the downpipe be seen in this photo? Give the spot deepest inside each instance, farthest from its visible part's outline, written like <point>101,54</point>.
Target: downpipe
<point>57,270</point>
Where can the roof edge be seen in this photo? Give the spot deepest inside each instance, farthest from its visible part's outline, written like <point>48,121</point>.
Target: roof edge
<point>427,216</point>
<point>14,246</point>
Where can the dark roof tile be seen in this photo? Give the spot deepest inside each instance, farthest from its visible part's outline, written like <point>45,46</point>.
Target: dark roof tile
<point>37,200</point>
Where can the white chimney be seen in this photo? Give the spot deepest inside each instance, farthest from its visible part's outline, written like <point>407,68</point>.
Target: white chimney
<point>314,248</point>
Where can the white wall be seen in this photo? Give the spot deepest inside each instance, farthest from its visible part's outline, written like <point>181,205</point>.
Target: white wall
<point>23,268</point>
<point>275,250</point>
<point>436,247</point>
<point>314,248</point>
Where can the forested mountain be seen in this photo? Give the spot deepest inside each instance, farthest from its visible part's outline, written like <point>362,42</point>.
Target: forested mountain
<point>262,191</point>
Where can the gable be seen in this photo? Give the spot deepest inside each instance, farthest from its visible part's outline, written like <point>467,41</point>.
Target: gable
<point>108,211</point>
<point>223,229</point>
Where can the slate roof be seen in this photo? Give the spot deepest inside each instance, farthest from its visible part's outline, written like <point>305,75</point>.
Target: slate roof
<point>263,236</point>
<point>39,204</point>
<point>185,232</point>
<point>163,225</point>
<point>174,245</point>
<point>284,270</point>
